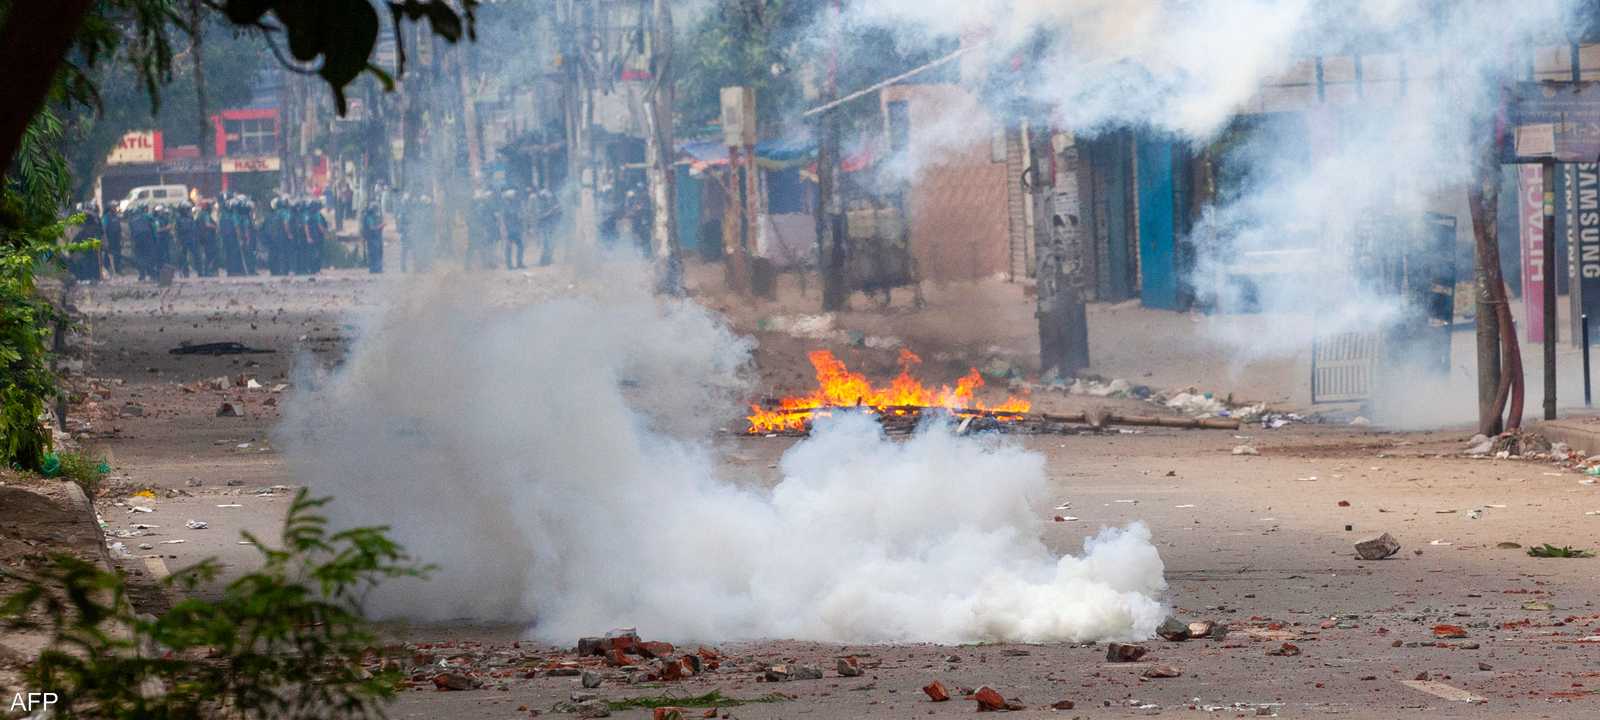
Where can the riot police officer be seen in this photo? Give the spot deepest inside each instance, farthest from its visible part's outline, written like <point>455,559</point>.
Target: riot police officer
<point>372,236</point>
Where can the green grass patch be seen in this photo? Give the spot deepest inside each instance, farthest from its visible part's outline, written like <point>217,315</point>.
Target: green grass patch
<point>77,467</point>
<point>1550,551</point>
<point>715,698</point>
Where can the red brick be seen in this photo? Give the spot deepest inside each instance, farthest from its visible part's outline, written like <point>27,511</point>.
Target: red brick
<point>655,649</point>
<point>989,699</point>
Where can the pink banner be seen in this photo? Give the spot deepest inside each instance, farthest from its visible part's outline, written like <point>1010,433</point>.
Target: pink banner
<point>1530,214</point>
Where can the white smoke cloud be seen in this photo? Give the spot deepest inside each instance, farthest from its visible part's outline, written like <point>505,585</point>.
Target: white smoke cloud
<point>552,460</point>
<point>1189,69</point>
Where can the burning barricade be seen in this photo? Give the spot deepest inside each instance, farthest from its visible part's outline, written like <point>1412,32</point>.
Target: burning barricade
<point>905,401</point>
<point>904,397</point>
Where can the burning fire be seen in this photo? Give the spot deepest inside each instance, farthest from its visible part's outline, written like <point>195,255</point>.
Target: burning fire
<point>838,387</point>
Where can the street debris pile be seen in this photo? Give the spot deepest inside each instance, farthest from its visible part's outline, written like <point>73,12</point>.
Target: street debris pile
<point>823,327</point>
<point>905,403</point>
<point>1195,403</point>
<point>517,440</point>
<point>92,412</point>
<point>1530,445</point>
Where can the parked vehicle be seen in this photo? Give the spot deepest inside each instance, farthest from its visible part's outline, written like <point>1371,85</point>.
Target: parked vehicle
<point>153,195</point>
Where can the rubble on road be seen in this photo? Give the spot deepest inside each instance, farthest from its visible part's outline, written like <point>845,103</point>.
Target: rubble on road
<point>1378,548</point>
<point>466,665</point>
<point>1449,632</point>
<point>936,691</point>
<point>785,673</point>
<point>1155,672</point>
<point>455,681</point>
<point>1124,652</point>
<point>990,700</point>
<point>1173,629</point>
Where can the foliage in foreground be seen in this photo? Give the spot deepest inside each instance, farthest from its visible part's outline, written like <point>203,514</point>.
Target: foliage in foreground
<point>31,230</point>
<point>1550,551</point>
<point>285,641</point>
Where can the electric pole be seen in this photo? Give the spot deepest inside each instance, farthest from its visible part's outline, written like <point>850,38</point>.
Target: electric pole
<point>657,112</point>
<point>832,235</point>
<point>1058,247</point>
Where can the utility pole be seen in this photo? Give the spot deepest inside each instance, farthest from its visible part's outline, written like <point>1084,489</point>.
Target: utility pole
<point>738,219</point>
<point>1548,270</point>
<point>587,62</point>
<point>466,73</point>
<point>657,113</point>
<point>832,235</point>
<point>1058,247</point>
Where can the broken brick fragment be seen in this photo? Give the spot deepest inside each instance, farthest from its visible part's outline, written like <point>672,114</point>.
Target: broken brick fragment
<point>617,658</point>
<point>655,649</point>
<point>849,667</point>
<point>453,681</point>
<point>1449,631</point>
<point>1162,671</point>
<point>675,669</point>
<point>1173,629</point>
<point>989,699</point>
<point>1285,650</point>
<point>1378,548</point>
<point>667,713</point>
<point>1124,652</point>
<point>936,691</point>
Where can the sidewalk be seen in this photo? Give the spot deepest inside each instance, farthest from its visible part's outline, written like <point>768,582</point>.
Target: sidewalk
<point>1581,432</point>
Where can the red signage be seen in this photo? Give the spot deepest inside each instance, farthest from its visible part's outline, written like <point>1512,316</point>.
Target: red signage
<point>1530,216</point>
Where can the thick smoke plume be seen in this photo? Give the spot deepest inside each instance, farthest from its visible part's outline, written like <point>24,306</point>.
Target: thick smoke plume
<point>1301,174</point>
<point>552,460</point>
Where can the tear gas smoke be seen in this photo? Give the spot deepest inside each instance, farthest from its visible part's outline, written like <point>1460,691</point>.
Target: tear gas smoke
<point>551,460</point>
<point>1300,180</point>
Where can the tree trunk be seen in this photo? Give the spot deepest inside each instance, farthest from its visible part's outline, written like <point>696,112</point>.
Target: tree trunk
<point>33,42</point>
<point>205,138</point>
<point>1483,200</point>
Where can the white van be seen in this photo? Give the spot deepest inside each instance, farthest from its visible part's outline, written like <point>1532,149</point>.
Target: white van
<point>153,195</point>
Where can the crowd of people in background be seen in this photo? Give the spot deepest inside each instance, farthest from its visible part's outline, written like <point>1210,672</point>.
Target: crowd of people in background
<point>230,235</point>
<point>498,225</point>
<point>204,238</point>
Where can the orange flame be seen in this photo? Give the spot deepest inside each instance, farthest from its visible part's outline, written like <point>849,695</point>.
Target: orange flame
<point>838,387</point>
